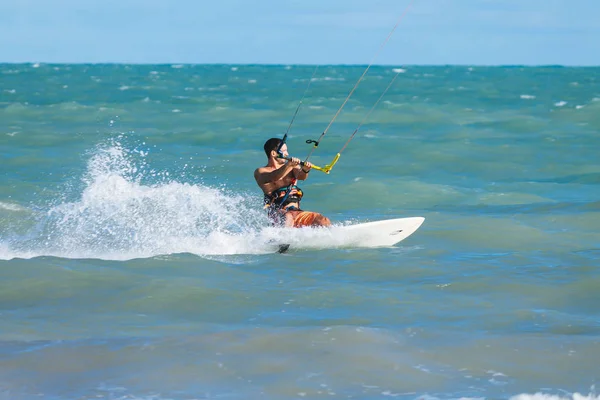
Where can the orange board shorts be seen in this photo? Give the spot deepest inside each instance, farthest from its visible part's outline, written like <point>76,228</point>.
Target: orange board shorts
<point>306,218</point>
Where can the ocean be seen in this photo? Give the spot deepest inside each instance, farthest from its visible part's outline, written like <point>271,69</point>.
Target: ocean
<point>136,260</point>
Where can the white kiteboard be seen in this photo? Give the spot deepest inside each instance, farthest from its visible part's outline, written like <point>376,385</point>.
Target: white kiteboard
<point>382,233</point>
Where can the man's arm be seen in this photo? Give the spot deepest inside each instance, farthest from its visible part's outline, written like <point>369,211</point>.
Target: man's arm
<point>302,171</point>
<point>262,177</point>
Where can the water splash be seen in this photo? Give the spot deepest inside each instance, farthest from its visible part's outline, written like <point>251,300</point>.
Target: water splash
<point>118,216</point>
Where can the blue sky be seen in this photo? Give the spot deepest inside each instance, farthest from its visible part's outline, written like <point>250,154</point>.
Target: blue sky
<point>480,32</point>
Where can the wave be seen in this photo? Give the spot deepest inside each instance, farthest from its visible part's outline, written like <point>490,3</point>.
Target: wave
<point>544,396</point>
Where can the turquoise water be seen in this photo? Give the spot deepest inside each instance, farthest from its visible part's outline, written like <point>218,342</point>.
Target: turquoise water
<point>136,263</point>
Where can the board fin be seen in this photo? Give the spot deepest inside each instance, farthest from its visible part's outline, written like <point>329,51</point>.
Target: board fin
<point>283,248</point>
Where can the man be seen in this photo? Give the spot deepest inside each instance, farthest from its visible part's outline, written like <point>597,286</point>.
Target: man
<point>278,182</point>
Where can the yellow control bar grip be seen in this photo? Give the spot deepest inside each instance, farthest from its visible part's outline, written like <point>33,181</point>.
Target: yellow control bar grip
<point>327,168</point>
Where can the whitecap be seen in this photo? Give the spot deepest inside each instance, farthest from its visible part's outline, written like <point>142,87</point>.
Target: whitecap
<point>527,96</point>
<point>391,104</point>
<point>327,78</point>
<point>544,396</point>
<point>560,103</point>
<point>399,70</point>
<point>11,207</point>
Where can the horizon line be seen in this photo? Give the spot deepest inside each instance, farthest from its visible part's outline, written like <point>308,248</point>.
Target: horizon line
<point>278,64</point>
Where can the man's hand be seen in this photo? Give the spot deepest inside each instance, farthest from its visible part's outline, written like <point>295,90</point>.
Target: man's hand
<point>294,162</point>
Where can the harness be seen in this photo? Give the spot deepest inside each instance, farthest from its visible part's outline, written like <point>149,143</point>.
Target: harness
<point>281,197</point>
<point>278,199</point>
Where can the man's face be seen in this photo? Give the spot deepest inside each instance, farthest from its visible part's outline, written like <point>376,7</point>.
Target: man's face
<point>284,150</point>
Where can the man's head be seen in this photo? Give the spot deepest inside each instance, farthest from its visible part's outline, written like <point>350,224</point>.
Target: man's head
<point>272,145</point>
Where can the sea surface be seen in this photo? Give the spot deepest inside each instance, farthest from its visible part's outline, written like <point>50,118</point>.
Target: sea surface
<point>137,262</point>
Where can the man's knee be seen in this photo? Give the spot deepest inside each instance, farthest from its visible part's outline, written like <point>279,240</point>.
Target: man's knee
<point>322,220</point>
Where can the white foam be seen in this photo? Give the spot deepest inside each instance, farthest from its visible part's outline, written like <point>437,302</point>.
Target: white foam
<point>560,103</point>
<point>11,207</point>
<point>392,104</point>
<point>327,79</point>
<point>544,396</point>
<point>119,217</point>
<point>527,97</point>
<point>399,70</point>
